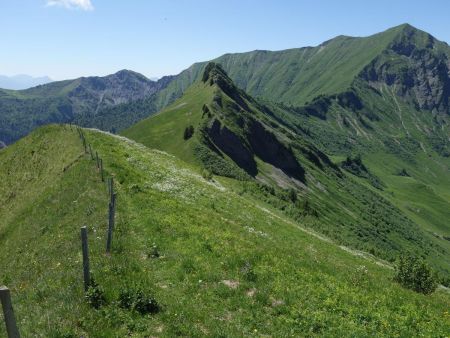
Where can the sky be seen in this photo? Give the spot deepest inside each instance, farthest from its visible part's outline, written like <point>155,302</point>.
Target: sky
<point>66,39</point>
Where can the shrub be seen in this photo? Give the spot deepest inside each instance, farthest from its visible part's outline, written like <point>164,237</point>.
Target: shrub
<point>188,132</point>
<point>248,272</point>
<point>292,195</point>
<point>355,166</point>
<point>126,299</point>
<point>154,252</point>
<point>403,172</point>
<point>95,295</point>
<point>445,281</point>
<point>145,304</point>
<point>207,174</point>
<point>415,274</point>
<point>136,299</point>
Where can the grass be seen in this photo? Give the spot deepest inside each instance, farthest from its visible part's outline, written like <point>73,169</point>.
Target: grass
<point>293,76</point>
<point>172,122</point>
<point>360,212</point>
<point>393,136</point>
<point>219,272</point>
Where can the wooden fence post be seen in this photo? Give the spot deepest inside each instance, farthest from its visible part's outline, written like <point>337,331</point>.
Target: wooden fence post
<point>85,248</point>
<point>96,157</point>
<point>10,319</point>
<point>90,151</point>
<point>101,170</point>
<point>111,221</point>
<point>111,189</point>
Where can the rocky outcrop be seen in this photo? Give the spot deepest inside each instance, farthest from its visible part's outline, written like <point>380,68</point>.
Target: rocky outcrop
<point>232,145</point>
<point>256,141</point>
<point>268,148</point>
<point>214,74</point>
<point>124,86</point>
<point>415,67</point>
<point>242,136</point>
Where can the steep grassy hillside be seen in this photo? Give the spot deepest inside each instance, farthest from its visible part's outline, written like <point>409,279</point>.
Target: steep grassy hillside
<point>294,76</point>
<point>232,135</point>
<point>277,162</point>
<point>218,263</point>
<point>398,123</point>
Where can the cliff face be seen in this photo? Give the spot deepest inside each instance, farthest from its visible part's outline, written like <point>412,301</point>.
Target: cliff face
<point>237,129</point>
<point>417,67</point>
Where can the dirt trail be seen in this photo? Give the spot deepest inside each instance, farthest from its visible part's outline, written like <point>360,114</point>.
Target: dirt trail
<point>399,110</point>
<point>353,252</point>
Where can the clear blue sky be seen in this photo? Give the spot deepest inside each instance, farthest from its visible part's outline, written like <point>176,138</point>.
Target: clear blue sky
<point>71,38</point>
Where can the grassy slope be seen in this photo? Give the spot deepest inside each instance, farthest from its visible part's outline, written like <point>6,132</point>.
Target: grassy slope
<point>171,123</point>
<point>352,213</point>
<point>301,285</point>
<point>295,75</point>
<point>399,137</point>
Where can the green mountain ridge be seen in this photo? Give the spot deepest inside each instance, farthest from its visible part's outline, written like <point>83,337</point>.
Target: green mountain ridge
<point>228,127</point>
<point>234,133</point>
<point>294,76</point>
<point>178,238</point>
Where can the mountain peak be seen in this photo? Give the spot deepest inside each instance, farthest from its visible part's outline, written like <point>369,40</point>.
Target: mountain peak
<point>409,38</point>
<point>214,73</point>
<point>125,73</point>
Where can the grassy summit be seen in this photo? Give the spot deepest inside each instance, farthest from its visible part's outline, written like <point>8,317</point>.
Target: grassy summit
<point>219,263</point>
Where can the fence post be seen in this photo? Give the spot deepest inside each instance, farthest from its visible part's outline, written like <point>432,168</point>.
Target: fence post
<point>101,170</point>
<point>85,145</point>
<point>10,319</point>
<point>111,219</point>
<point>96,157</point>
<point>111,189</point>
<point>86,270</point>
<point>90,151</point>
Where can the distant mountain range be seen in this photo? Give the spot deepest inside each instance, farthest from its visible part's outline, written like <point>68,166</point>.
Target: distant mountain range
<point>293,77</point>
<point>82,101</point>
<point>22,81</point>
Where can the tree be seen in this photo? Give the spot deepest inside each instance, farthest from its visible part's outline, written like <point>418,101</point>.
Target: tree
<point>292,195</point>
<point>415,274</point>
<point>188,132</point>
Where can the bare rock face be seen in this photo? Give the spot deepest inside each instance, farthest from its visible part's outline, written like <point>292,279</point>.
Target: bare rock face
<point>417,67</point>
<point>96,93</point>
<point>233,146</point>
